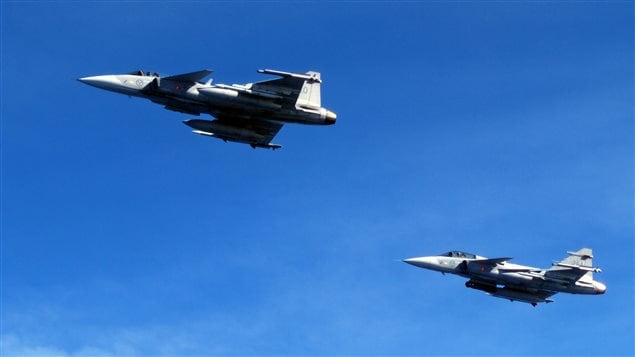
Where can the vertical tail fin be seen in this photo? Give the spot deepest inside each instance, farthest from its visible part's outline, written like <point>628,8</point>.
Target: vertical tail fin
<point>581,258</point>
<point>310,93</point>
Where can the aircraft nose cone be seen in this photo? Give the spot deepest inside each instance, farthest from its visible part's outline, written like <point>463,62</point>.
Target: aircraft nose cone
<point>92,81</point>
<point>410,261</point>
<point>421,262</point>
<point>104,82</point>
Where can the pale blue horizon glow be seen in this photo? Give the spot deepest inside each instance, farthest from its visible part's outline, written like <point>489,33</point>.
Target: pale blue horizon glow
<point>498,129</point>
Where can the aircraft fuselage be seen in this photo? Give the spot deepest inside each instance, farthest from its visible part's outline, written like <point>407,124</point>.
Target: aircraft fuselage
<point>216,100</point>
<point>500,278</point>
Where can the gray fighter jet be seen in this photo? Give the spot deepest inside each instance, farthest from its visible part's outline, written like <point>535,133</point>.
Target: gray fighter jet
<point>252,113</point>
<point>501,279</point>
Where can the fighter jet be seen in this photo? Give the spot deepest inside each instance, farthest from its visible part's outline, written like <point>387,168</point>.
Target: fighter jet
<point>251,113</point>
<point>501,279</point>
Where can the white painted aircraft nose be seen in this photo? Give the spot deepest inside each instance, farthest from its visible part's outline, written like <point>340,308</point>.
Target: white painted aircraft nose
<point>105,82</point>
<point>411,261</point>
<point>421,262</point>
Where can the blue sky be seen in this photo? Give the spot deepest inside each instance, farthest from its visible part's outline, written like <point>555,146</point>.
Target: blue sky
<point>499,129</point>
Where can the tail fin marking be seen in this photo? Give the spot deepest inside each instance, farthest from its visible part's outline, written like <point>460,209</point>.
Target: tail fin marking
<point>310,93</point>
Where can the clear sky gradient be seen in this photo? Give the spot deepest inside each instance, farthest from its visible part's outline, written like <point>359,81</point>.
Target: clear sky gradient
<point>498,129</point>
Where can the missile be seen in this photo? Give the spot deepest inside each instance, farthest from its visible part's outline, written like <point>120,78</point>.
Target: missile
<point>505,293</point>
<point>488,288</point>
<point>204,133</point>
<point>213,128</point>
<point>247,90</point>
<point>217,91</point>
<point>572,266</point>
<point>307,77</point>
<point>228,133</point>
<point>227,94</point>
<point>516,295</point>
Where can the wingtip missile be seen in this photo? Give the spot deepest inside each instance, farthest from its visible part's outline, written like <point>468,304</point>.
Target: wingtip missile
<point>312,76</point>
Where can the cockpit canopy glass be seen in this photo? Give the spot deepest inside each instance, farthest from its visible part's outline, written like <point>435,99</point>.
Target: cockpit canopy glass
<point>145,74</point>
<point>459,254</point>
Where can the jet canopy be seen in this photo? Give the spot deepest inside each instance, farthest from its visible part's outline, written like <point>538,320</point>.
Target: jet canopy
<point>458,254</point>
<point>145,74</point>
